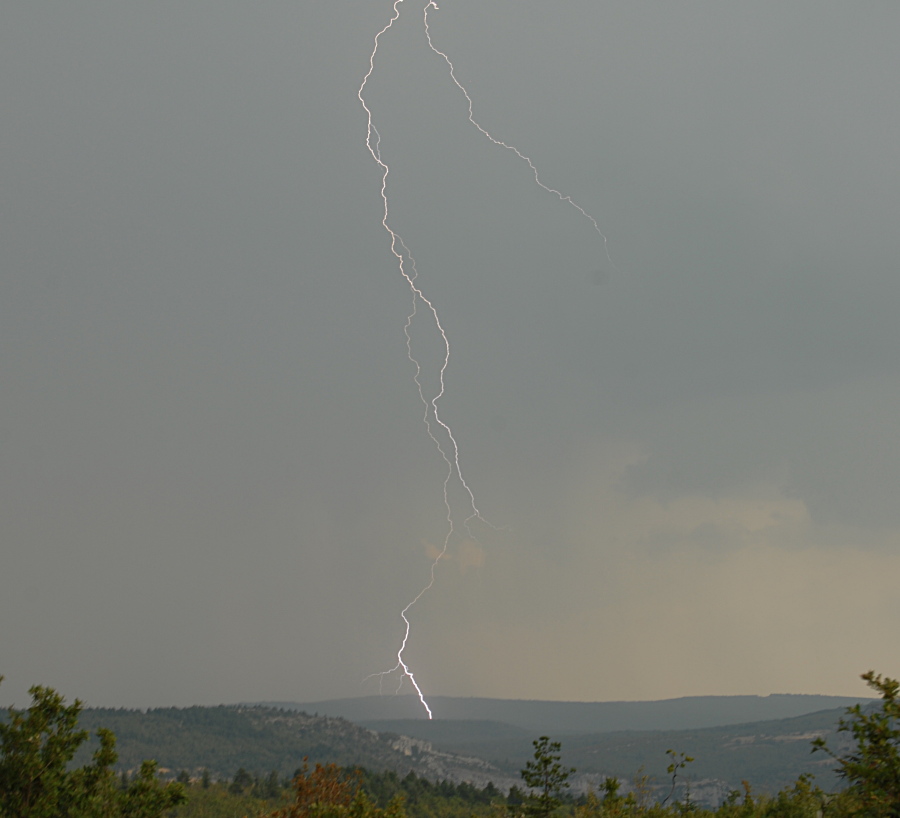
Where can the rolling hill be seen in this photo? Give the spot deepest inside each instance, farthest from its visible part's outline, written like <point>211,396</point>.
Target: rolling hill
<point>769,753</point>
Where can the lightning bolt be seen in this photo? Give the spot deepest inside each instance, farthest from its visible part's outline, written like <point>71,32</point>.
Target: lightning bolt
<point>437,429</point>
<point>501,144</point>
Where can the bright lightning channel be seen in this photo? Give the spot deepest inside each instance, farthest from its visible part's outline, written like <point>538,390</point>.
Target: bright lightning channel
<point>449,450</point>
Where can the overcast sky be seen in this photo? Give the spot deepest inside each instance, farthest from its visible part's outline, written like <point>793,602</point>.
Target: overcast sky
<point>215,481</point>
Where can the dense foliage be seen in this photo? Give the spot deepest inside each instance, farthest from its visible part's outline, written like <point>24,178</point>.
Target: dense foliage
<point>249,793</point>
<point>225,738</point>
<point>423,798</point>
<point>872,767</point>
<point>36,781</point>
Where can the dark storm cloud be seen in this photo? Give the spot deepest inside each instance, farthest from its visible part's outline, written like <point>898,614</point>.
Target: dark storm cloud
<point>216,485</point>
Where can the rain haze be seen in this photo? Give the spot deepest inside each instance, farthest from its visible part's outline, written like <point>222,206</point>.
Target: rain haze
<point>216,484</point>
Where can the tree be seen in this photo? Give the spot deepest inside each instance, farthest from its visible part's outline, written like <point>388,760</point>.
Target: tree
<point>242,781</point>
<point>546,778</point>
<point>269,787</point>
<point>36,747</point>
<point>679,762</point>
<point>611,805</point>
<point>872,768</point>
<point>332,792</point>
<point>326,786</point>
<point>146,796</point>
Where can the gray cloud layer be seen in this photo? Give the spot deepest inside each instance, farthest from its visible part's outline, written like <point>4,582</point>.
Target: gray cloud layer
<point>216,485</point>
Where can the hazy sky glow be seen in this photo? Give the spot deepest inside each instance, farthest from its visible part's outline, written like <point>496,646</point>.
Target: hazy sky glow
<point>215,483</point>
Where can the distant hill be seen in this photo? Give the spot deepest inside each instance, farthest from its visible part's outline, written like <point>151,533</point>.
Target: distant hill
<point>567,718</point>
<point>260,739</point>
<point>769,753</point>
